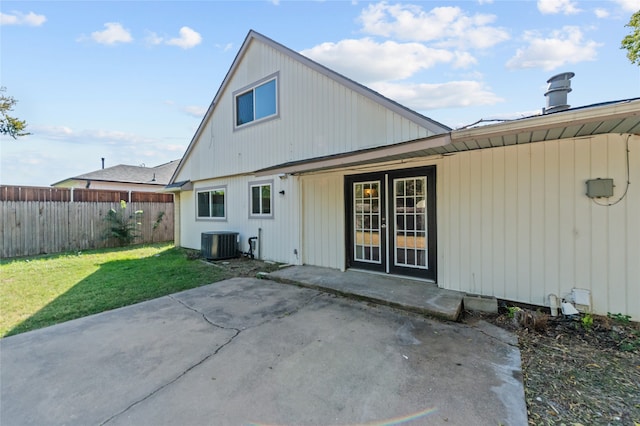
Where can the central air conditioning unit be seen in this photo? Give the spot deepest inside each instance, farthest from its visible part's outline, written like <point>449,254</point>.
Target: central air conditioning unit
<point>219,245</point>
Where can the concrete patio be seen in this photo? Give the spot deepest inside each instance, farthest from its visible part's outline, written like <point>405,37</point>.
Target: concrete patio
<point>254,351</point>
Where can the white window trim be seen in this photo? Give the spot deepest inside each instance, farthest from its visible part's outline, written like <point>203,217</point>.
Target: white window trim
<point>275,76</point>
<point>209,189</point>
<point>261,215</point>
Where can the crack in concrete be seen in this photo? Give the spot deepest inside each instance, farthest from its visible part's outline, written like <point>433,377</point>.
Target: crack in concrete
<point>209,356</point>
<point>204,317</point>
<point>185,372</point>
<point>498,338</point>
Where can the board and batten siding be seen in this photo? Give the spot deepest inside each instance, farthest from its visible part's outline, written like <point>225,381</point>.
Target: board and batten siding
<point>514,222</point>
<point>517,223</point>
<point>280,234</point>
<point>323,233</point>
<point>317,117</point>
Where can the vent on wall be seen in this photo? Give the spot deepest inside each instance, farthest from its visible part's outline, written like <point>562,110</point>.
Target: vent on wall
<point>219,245</point>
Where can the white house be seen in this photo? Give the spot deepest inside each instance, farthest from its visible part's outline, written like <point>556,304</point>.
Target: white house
<point>327,172</point>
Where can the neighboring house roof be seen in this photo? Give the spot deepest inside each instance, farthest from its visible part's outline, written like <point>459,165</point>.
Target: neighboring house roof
<point>403,111</point>
<point>608,117</point>
<point>122,173</point>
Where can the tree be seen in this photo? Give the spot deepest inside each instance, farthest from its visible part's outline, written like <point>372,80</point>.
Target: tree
<point>632,41</point>
<point>10,125</point>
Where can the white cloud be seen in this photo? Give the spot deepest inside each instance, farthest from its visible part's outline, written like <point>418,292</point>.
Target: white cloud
<point>445,26</point>
<point>365,60</point>
<point>565,46</point>
<point>88,136</point>
<point>60,152</point>
<point>188,38</point>
<point>113,33</point>
<point>601,13</point>
<point>225,47</point>
<point>153,39</point>
<point>51,132</point>
<point>195,111</point>
<point>174,148</point>
<point>629,5</point>
<point>18,18</point>
<point>464,60</point>
<point>552,7</point>
<point>421,97</point>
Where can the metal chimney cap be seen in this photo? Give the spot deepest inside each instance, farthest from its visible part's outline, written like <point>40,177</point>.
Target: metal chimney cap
<point>562,76</point>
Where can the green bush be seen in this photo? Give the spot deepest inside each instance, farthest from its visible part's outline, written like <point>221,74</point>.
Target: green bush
<point>123,227</point>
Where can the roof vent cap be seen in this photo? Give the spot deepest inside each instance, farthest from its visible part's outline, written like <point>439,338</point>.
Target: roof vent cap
<point>557,90</point>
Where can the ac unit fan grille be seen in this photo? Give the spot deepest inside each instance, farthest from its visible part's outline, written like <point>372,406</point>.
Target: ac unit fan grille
<point>219,245</point>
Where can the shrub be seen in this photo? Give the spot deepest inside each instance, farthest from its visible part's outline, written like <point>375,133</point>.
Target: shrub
<point>123,227</point>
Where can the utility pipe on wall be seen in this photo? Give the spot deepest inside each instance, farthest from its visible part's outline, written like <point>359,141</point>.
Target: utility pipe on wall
<point>553,305</point>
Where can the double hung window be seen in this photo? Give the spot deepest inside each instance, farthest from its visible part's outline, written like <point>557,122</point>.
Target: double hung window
<point>258,102</point>
<point>260,199</point>
<point>211,204</point>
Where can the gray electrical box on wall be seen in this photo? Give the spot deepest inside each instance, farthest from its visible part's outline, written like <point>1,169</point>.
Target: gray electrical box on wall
<point>600,188</point>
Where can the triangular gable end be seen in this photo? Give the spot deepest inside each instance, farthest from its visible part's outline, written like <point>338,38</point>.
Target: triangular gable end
<point>430,125</point>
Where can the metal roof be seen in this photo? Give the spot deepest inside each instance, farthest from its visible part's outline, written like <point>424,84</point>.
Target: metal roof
<point>609,117</point>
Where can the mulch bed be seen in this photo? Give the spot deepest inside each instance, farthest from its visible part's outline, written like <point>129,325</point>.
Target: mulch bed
<point>583,370</point>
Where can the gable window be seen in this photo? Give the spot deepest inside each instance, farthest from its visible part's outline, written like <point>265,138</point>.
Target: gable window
<point>260,201</point>
<point>257,102</point>
<point>211,203</point>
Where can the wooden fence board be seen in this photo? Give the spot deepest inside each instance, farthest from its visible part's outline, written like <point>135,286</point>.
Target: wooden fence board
<point>37,193</point>
<point>41,227</point>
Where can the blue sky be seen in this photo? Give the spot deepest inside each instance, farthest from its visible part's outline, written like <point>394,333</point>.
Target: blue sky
<point>130,80</point>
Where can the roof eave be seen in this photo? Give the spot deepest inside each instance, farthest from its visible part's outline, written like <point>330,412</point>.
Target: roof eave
<point>366,156</point>
<point>541,122</point>
<point>185,185</point>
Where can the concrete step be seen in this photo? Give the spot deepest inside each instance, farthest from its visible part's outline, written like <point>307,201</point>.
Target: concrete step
<point>402,293</point>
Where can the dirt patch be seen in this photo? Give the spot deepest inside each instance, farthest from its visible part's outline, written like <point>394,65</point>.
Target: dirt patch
<point>583,370</point>
<point>242,266</point>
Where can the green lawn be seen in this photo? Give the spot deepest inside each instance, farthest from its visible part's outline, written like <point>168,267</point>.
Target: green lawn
<point>40,291</point>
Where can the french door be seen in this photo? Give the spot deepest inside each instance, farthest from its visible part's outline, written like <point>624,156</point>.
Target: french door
<point>391,222</point>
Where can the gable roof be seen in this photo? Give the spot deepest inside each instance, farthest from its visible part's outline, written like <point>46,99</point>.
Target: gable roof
<point>421,120</point>
<point>122,173</point>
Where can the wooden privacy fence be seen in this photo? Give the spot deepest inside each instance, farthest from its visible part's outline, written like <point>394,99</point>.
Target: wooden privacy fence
<point>38,193</point>
<point>40,227</point>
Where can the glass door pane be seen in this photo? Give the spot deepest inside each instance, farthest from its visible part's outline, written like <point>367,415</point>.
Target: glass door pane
<point>366,222</point>
<point>410,218</point>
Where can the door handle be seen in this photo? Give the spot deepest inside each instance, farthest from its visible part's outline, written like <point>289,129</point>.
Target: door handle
<point>384,225</point>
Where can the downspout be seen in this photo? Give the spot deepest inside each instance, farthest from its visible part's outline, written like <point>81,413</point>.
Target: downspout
<point>176,220</point>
